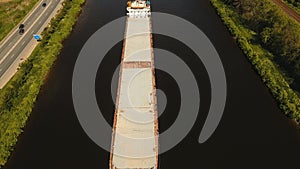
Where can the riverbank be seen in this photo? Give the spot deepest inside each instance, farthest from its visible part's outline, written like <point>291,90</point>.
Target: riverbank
<point>260,58</point>
<point>17,98</point>
<point>11,14</point>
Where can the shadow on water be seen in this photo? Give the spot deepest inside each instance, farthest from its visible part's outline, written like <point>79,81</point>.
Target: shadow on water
<point>252,134</point>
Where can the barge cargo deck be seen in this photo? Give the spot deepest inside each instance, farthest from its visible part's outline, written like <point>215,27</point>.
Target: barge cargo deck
<point>135,128</point>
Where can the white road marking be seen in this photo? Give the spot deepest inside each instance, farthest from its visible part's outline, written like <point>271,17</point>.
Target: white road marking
<point>12,56</point>
<point>23,43</point>
<point>0,70</point>
<point>9,43</point>
<point>5,56</point>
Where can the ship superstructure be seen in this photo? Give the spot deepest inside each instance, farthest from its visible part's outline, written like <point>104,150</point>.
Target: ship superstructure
<point>138,8</point>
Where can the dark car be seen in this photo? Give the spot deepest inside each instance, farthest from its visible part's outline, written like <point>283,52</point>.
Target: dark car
<point>21,31</point>
<point>44,4</point>
<point>21,26</point>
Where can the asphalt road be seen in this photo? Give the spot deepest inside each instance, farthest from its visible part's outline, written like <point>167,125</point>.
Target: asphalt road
<point>16,43</point>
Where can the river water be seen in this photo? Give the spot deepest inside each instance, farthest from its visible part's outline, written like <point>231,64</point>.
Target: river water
<point>253,132</point>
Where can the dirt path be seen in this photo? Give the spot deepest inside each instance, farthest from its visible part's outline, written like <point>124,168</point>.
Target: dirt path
<point>289,11</point>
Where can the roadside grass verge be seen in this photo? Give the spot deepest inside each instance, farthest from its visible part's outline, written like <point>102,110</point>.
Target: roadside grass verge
<point>17,98</point>
<point>294,5</point>
<point>12,12</point>
<point>261,60</point>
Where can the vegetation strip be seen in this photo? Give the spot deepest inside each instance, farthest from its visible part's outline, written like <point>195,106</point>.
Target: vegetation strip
<point>261,59</point>
<point>11,14</point>
<point>294,4</point>
<point>17,98</point>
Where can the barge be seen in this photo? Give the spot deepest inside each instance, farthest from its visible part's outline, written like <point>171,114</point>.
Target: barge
<point>135,128</point>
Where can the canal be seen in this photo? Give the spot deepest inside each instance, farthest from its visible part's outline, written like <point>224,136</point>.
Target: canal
<point>253,132</point>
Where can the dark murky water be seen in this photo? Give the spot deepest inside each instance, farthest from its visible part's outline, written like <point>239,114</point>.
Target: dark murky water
<point>252,134</point>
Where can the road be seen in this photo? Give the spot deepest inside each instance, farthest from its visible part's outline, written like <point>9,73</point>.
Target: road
<point>15,44</point>
<point>289,11</point>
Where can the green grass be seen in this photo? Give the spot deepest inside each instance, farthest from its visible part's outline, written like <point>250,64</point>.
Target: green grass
<point>17,98</point>
<point>11,14</point>
<point>295,8</point>
<point>261,60</point>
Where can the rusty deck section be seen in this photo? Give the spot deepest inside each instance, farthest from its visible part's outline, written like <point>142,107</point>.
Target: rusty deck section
<point>136,65</point>
<point>135,127</point>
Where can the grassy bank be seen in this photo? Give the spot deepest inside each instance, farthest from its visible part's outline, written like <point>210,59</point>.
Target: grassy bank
<point>12,12</point>
<point>17,98</point>
<point>294,4</point>
<point>261,60</point>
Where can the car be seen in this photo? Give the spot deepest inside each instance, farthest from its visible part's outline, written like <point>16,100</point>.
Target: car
<point>21,26</point>
<point>44,4</point>
<point>21,31</point>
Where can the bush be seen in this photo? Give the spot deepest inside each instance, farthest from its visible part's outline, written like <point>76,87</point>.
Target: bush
<point>260,58</point>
